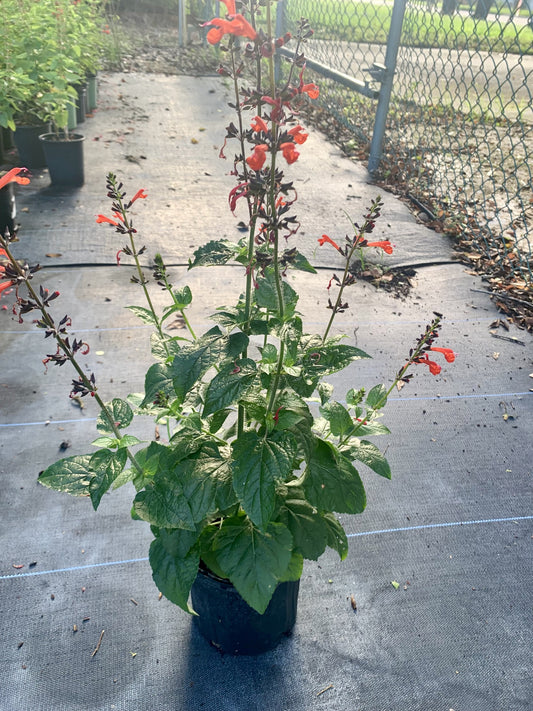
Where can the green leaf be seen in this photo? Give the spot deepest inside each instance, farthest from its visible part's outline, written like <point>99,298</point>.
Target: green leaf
<point>110,442</point>
<point>253,561</point>
<point>144,314</point>
<point>340,420</point>
<point>377,396</point>
<point>266,294</point>
<point>229,385</point>
<point>71,475</point>
<point>162,503</point>
<point>331,483</point>
<point>295,569</point>
<point>174,575</point>
<point>213,253</point>
<point>106,466</point>
<point>121,413</point>
<point>257,463</point>
<point>164,349</point>
<point>308,529</point>
<point>370,455</point>
<point>129,441</point>
<point>325,391</point>
<point>298,261</point>
<point>176,541</point>
<point>199,476</point>
<point>158,380</point>
<point>182,297</point>
<point>367,429</point>
<point>325,359</point>
<point>336,535</point>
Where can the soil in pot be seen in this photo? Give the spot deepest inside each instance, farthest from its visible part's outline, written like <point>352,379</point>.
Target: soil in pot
<point>231,625</point>
<point>64,158</point>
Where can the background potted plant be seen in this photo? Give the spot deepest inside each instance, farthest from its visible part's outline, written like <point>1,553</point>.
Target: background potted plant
<point>260,457</point>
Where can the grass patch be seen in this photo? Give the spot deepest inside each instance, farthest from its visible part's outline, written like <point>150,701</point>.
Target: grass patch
<point>366,22</point>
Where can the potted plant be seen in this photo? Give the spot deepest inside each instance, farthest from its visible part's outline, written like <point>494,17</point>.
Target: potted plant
<point>259,457</point>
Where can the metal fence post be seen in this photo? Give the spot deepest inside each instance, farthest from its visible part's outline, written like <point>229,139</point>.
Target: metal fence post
<point>393,44</point>
<point>182,23</point>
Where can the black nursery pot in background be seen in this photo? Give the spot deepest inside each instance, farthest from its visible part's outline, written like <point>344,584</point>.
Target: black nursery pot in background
<point>7,209</point>
<point>64,158</point>
<point>29,148</point>
<point>231,625</point>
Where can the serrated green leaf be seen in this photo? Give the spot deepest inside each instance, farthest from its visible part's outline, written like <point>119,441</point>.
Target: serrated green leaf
<point>106,466</point>
<point>182,297</point>
<point>174,575</point>
<point>257,463</point>
<point>330,358</point>
<point>331,483</point>
<point>164,349</point>
<point>336,535</point>
<point>110,442</point>
<point>298,261</point>
<point>253,561</point>
<point>120,412</point>
<point>370,455</point>
<point>340,420</point>
<point>295,569</point>
<point>144,314</point>
<point>129,441</point>
<point>325,391</point>
<point>229,384</point>
<point>158,381</point>
<point>267,297</point>
<point>177,542</point>
<point>214,253</point>
<point>199,477</point>
<point>309,532</point>
<point>367,429</point>
<point>71,475</point>
<point>162,503</point>
<point>269,354</point>
<point>377,396</point>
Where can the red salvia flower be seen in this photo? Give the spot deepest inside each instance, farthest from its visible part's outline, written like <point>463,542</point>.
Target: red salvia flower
<point>434,368</point>
<point>311,90</point>
<point>385,245</point>
<point>289,152</point>
<point>447,353</point>
<point>230,5</point>
<point>139,194</point>
<point>12,176</point>
<point>322,241</point>
<point>259,125</point>
<point>108,220</point>
<point>237,26</point>
<point>258,157</point>
<point>298,134</point>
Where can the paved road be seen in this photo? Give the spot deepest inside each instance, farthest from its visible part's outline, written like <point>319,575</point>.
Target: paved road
<point>495,81</point>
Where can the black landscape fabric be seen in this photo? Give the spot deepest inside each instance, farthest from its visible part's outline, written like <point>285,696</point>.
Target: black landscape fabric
<point>440,563</point>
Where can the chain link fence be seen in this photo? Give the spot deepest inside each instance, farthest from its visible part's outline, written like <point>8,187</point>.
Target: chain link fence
<point>459,130</point>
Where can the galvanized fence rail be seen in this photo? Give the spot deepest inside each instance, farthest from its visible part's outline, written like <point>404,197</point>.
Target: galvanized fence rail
<point>457,130</point>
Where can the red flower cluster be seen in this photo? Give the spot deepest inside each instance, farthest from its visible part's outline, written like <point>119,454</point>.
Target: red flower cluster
<point>235,25</point>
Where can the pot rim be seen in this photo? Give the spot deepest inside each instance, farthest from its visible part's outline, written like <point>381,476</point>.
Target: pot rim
<point>53,138</point>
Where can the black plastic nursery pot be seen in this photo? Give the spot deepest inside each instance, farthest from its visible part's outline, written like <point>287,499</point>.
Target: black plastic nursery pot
<point>231,625</point>
<point>64,158</point>
<point>7,209</point>
<point>29,148</point>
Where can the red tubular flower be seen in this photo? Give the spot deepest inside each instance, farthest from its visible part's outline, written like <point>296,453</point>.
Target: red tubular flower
<point>322,240</point>
<point>108,220</point>
<point>237,26</point>
<point>13,176</point>
<point>258,157</point>
<point>5,285</point>
<point>289,152</point>
<point>434,368</point>
<point>139,194</point>
<point>230,5</point>
<point>298,134</point>
<point>259,125</point>
<point>385,245</point>
<point>446,352</point>
<point>311,90</point>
